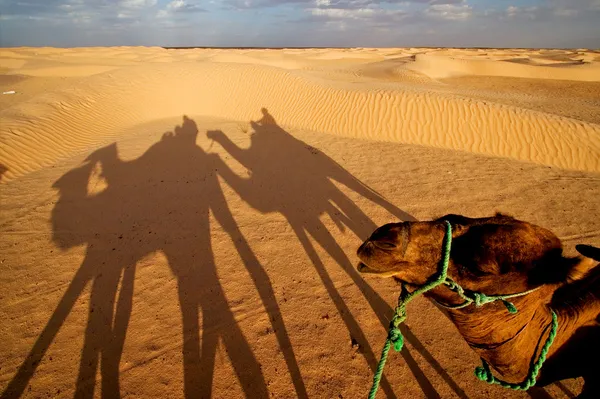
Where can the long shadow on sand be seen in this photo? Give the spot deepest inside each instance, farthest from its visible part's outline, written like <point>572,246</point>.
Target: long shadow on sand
<point>158,202</point>
<point>290,177</point>
<point>161,202</point>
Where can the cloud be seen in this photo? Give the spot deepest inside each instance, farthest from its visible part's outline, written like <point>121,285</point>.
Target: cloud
<point>339,4</point>
<point>550,9</point>
<point>512,11</point>
<point>450,12</point>
<point>178,8</point>
<point>352,10</point>
<point>562,23</point>
<point>36,7</point>
<point>137,3</point>
<point>249,4</point>
<point>183,6</point>
<point>340,13</point>
<point>356,20</point>
<point>347,4</point>
<point>441,2</point>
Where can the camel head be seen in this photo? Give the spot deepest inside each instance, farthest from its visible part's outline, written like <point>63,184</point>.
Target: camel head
<point>494,254</point>
<point>408,251</point>
<point>500,256</point>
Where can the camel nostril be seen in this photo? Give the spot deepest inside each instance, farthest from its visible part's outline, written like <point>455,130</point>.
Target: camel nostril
<point>384,244</point>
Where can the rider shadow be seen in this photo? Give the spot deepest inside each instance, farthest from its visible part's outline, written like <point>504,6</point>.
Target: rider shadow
<point>158,202</point>
<point>296,180</point>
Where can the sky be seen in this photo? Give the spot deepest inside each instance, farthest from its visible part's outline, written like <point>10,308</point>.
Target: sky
<point>301,23</point>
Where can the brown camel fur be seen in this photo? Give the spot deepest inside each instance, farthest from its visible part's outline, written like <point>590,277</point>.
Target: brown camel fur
<point>502,255</point>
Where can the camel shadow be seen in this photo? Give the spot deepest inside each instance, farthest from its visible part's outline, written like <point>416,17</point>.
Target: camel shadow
<point>289,177</point>
<point>158,202</point>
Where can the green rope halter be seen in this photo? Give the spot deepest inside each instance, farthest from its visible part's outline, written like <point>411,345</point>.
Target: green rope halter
<point>483,372</point>
<point>395,335</point>
<point>479,298</point>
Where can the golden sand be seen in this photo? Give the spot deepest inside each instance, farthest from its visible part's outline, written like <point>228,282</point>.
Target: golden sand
<point>155,255</point>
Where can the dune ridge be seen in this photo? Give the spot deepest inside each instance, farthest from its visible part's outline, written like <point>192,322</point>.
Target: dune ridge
<point>38,132</point>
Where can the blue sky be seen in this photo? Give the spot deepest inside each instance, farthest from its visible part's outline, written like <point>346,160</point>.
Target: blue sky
<point>280,23</point>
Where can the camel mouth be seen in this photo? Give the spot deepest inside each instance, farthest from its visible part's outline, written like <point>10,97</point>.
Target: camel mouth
<point>364,269</point>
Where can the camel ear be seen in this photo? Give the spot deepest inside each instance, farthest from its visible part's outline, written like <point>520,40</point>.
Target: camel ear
<point>553,268</point>
<point>589,252</point>
<point>560,269</point>
<point>584,265</point>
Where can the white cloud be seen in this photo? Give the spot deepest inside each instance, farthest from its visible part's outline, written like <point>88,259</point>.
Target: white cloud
<point>182,6</point>
<point>137,3</point>
<point>565,23</point>
<point>176,5</point>
<point>451,12</point>
<point>177,8</point>
<point>512,11</point>
<point>364,18</point>
<point>340,13</point>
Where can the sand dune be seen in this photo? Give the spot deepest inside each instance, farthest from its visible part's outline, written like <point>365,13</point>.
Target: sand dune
<point>122,219</point>
<point>442,67</point>
<point>32,132</point>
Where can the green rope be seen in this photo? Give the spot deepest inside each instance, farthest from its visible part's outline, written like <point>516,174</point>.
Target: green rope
<point>395,335</point>
<point>483,373</point>
<point>479,298</point>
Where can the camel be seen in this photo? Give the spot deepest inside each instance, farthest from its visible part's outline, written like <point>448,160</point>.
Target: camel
<point>501,255</point>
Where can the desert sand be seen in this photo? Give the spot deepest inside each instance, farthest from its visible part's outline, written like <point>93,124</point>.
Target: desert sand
<point>184,222</point>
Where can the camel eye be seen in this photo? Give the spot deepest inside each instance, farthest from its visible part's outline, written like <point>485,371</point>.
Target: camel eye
<point>384,244</point>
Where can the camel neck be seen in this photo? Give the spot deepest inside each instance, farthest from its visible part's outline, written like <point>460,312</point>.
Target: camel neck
<point>507,341</point>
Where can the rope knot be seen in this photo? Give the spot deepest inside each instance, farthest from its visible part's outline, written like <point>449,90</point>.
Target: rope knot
<point>395,336</point>
<point>480,299</point>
